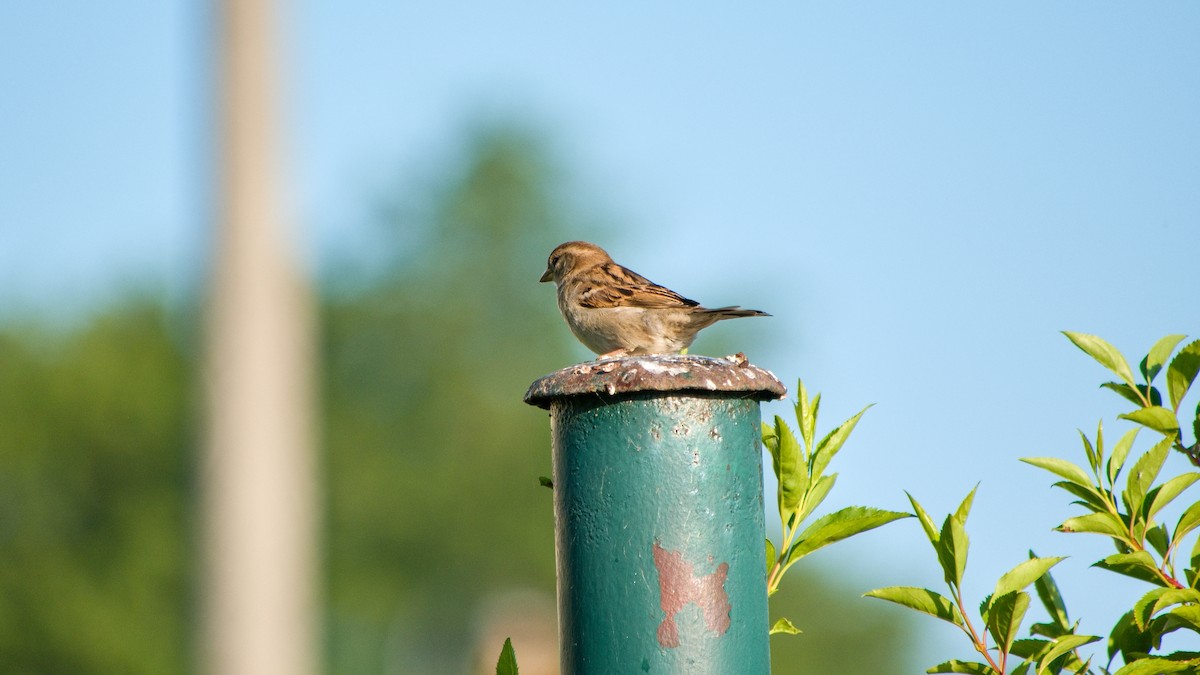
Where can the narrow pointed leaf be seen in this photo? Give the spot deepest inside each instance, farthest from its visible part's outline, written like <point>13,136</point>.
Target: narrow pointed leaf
<point>833,441</point>
<point>791,487</point>
<point>1120,452</point>
<point>1098,523</point>
<point>1062,468</point>
<point>1139,565</point>
<point>1182,372</point>
<point>1157,536</point>
<point>806,413</point>
<point>1156,666</point>
<point>1187,522</point>
<point>1169,490</point>
<point>1127,392</point>
<point>1092,455</point>
<point>1144,471</point>
<point>1143,609</point>
<point>952,550</point>
<point>1089,495</point>
<point>1051,598</point>
<point>1104,353</point>
<point>920,599</point>
<point>816,495</point>
<point>964,509</point>
<point>1159,354</point>
<point>839,525</point>
<point>1004,617</point>
<point>507,664</point>
<point>1027,572</point>
<point>1029,648</point>
<point>1061,646</point>
<point>785,626</point>
<point>968,667</point>
<point>771,556</point>
<point>922,515</point>
<point>1155,417</point>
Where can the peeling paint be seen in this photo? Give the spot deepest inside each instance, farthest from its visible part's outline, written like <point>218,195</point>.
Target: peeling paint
<point>679,586</point>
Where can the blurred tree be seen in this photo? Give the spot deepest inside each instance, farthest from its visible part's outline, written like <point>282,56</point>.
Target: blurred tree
<point>842,632</point>
<point>95,450</point>
<point>431,459</point>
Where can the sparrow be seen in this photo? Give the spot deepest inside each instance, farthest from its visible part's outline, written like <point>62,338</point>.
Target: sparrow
<point>615,311</point>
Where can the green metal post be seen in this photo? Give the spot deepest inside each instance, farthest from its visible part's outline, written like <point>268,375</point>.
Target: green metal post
<point>658,504</point>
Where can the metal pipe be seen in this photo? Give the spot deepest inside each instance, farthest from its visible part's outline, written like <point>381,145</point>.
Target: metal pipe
<point>658,504</point>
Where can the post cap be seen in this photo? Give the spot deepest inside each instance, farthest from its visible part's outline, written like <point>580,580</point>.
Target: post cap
<point>659,373</point>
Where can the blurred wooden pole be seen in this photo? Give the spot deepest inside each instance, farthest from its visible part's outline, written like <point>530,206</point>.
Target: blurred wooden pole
<point>259,510</point>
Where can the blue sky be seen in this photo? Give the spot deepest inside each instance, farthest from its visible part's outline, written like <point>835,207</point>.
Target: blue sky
<point>922,194</point>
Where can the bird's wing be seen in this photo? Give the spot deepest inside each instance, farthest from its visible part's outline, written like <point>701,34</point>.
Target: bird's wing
<point>626,288</point>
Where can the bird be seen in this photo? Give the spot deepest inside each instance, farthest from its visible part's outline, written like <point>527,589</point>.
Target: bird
<point>616,312</point>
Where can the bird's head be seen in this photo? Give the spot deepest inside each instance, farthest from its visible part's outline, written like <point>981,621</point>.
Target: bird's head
<point>570,256</point>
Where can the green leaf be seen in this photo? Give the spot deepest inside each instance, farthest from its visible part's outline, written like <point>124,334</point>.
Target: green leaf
<point>1175,596</point>
<point>791,480</point>
<point>785,626</point>
<point>1025,573</point>
<point>1168,491</point>
<point>1157,536</point>
<point>1156,666</point>
<point>816,495</point>
<point>1187,615</point>
<point>1187,522</point>
<point>1158,355</point>
<point>1061,646</point>
<point>952,550</point>
<point>839,525</point>
<point>1182,372</point>
<point>921,599</point>
<point>1120,452</point>
<point>1143,609</point>
<point>1104,353</point>
<point>1155,417</point>
<point>771,441</point>
<point>964,508</point>
<point>1127,392</point>
<point>1029,648</point>
<point>1051,599</point>
<point>833,441</point>
<point>1004,617</point>
<point>1139,565</point>
<point>1091,497</point>
<point>927,524</point>
<point>806,413</point>
<point>1062,468</point>
<point>968,667</point>
<point>1145,470</point>
<point>770,556</point>
<point>507,665</point>
<point>1098,523</point>
<point>1094,453</point>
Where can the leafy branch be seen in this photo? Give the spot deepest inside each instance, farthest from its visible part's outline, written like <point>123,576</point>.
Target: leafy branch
<point>799,466</point>
<point>1151,413</point>
<point>1000,613</point>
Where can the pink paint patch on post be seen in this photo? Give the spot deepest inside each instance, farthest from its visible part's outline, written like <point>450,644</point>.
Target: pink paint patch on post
<point>678,585</point>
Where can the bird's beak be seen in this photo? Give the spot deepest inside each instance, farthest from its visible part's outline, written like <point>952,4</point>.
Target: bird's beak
<point>548,275</point>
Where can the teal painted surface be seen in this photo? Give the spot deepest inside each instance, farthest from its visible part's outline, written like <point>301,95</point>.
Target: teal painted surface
<point>683,472</point>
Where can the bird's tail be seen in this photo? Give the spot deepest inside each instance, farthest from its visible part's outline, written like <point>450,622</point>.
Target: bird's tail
<point>732,312</point>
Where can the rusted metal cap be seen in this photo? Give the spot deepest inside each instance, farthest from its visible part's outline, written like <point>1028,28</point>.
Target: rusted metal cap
<point>660,373</point>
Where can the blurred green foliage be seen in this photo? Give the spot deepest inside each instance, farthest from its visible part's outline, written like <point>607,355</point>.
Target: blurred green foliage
<point>430,458</point>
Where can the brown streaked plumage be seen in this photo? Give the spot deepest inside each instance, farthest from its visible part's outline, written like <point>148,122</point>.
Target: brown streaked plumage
<point>615,311</point>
